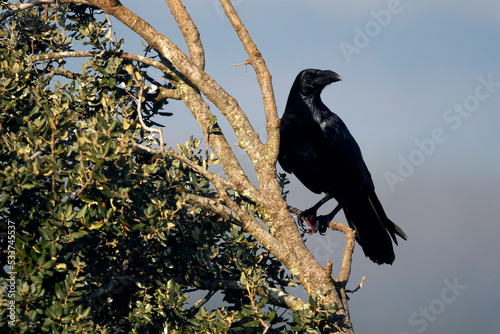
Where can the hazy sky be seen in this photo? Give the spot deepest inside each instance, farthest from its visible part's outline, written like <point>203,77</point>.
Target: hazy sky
<point>421,95</point>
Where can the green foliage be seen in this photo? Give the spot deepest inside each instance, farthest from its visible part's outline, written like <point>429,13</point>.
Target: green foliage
<point>309,319</point>
<point>106,236</point>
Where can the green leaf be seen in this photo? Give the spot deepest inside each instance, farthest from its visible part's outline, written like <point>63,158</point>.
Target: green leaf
<point>59,293</point>
<point>46,233</point>
<point>96,226</point>
<point>79,234</point>
<point>48,265</point>
<point>81,213</point>
<point>240,237</point>
<point>68,318</point>
<point>254,323</point>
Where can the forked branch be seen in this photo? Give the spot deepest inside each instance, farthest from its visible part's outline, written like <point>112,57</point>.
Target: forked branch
<point>263,77</point>
<point>350,234</point>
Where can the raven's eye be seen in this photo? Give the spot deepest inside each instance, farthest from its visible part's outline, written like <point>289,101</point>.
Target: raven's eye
<point>307,76</point>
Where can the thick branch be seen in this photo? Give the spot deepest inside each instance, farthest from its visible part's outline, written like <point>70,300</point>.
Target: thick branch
<point>264,79</point>
<point>141,149</point>
<point>215,206</point>
<point>218,142</point>
<point>350,234</point>
<point>275,296</point>
<point>199,169</point>
<point>164,92</point>
<point>230,209</point>
<point>189,31</point>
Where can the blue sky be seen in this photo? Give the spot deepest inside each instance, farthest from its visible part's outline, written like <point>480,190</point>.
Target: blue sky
<point>403,86</point>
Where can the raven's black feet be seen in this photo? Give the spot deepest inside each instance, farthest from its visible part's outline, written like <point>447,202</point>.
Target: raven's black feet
<point>314,223</point>
<point>318,223</point>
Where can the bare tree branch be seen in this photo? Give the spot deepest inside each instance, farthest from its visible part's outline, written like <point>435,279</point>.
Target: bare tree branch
<point>360,285</point>
<point>62,72</point>
<point>139,114</point>
<point>202,171</point>
<point>164,92</point>
<point>214,205</point>
<point>350,234</point>
<point>275,296</point>
<point>264,79</point>
<point>345,271</point>
<point>189,31</point>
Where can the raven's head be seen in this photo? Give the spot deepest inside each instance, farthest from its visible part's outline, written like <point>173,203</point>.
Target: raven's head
<point>311,82</point>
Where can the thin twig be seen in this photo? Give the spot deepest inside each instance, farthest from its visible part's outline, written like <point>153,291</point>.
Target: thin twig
<point>328,268</point>
<point>5,139</point>
<point>246,63</point>
<point>88,180</point>
<point>360,285</point>
<point>250,287</point>
<point>141,120</point>
<point>110,31</point>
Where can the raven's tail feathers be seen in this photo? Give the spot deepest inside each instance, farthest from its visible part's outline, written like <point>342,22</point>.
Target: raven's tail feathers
<point>387,223</point>
<point>374,230</point>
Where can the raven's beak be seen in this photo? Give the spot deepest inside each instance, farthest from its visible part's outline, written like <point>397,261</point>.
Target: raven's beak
<point>327,77</point>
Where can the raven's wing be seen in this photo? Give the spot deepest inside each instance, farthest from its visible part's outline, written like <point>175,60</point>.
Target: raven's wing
<point>304,148</point>
<point>346,152</point>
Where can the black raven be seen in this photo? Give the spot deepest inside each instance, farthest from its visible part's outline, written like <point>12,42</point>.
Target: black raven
<point>317,147</point>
